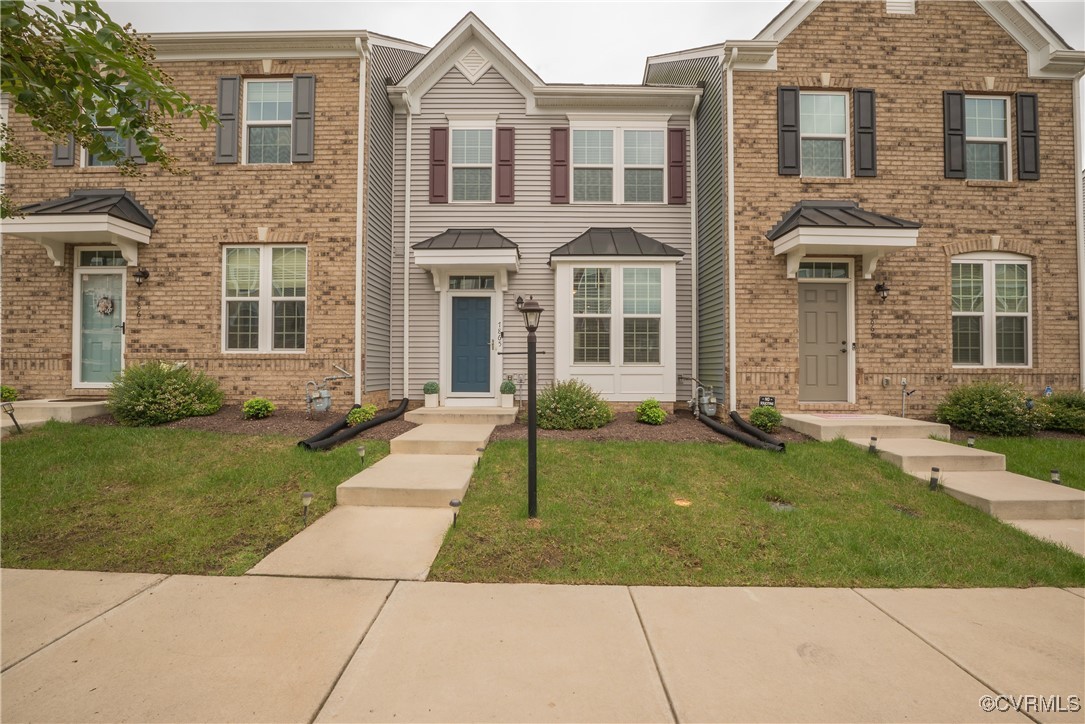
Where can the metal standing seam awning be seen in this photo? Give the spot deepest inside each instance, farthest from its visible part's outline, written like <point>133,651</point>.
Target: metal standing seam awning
<point>88,216</point>
<point>624,242</point>
<point>839,227</point>
<point>461,251</point>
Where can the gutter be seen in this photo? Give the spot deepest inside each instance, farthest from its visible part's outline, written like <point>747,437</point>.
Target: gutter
<point>407,261</point>
<point>1079,218</point>
<point>362,46</point>
<point>732,335</point>
<point>695,321</point>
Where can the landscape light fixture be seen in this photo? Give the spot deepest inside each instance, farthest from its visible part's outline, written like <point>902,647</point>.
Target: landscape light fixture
<point>1056,477</point>
<point>935,472</point>
<point>971,441</point>
<point>873,444</point>
<point>9,409</point>
<point>361,453</point>
<point>882,290</point>
<point>140,275</point>
<point>455,504</point>
<point>306,500</point>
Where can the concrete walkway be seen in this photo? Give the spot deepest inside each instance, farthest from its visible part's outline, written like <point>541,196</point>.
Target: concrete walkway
<point>93,647</point>
<point>973,476</point>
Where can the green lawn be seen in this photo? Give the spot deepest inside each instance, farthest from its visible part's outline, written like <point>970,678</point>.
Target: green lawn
<point>158,500</point>
<point>1037,457</point>
<point>607,515</point>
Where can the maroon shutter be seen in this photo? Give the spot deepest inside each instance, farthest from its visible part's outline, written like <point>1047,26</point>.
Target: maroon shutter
<point>789,148</point>
<point>438,165</point>
<point>506,158</point>
<point>559,165</point>
<point>676,165</point>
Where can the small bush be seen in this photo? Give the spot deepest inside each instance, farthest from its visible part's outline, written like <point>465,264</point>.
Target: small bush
<point>993,408</point>
<point>766,418</point>
<point>157,392</point>
<point>572,405</point>
<point>8,394</point>
<point>358,415</point>
<point>508,387</point>
<point>1066,412</point>
<point>257,408</point>
<point>650,412</point>
<point>431,388</point>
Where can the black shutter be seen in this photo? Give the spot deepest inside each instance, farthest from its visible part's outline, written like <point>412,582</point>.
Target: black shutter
<point>133,152</point>
<point>304,113</point>
<point>953,113</point>
<point>866,143</point>
<point>226,133</point>
<point>64,153</point>
<point>789,146</point>
<point>1028,137</point>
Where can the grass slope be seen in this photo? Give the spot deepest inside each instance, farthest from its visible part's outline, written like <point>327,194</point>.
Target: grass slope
<point>1036,457</point>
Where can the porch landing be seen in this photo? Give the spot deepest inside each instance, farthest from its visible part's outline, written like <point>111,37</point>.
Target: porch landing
<point>830,426</point>
<point>35,413</point>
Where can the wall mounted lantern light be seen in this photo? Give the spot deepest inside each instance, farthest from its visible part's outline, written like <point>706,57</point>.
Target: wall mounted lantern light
<point>140,275</point>
<point>882,289</point>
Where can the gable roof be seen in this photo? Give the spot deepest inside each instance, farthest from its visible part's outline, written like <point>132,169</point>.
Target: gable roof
<point>117,203</point>
<point>603,241</point>
<point>835,215</point>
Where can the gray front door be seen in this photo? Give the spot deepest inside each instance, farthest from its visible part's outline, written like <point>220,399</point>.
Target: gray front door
<point>823,342</point>
<point>471,344</point>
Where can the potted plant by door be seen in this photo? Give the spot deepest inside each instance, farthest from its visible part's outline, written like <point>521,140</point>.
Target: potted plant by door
<point>508,389</point>
<point>431,389</point>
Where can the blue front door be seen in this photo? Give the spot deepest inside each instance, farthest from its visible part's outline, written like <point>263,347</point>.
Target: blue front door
<point>471,344</point>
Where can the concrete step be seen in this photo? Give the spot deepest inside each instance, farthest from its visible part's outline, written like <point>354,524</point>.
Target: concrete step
<point>62,410</point>
<point>421,481</point>
<point>443,440</point>
<point>1066,532</point>
<point>827,426</point>
<point>917,456</point>
<point>462,415</point>
<point>1009,496</point>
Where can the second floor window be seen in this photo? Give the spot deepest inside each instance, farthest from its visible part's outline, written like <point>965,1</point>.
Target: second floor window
<point>618,166</point>
<point>115,142</point>
<point>823,123</point>
<point>987,138</point>
<point>472,164</point>
<point>269,110</point>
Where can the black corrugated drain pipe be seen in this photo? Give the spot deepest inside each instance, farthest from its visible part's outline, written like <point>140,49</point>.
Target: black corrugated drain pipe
<point>339,432</point>
<point>741,437</point>
<point>755,431</point>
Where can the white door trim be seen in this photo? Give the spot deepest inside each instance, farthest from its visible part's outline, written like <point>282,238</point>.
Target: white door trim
<point>444,345</point>
<point>850,298</point>
<point>77,314</point>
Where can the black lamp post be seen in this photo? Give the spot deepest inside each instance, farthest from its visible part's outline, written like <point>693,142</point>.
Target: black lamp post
<point>532,313</point>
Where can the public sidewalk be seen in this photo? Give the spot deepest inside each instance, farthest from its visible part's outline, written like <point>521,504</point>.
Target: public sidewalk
<point>80,646</point>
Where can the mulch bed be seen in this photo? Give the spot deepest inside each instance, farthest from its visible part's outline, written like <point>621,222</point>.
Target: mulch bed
<point>679,427</point>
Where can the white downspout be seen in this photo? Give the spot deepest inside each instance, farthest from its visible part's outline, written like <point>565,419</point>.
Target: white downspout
<point>407,262</point>
<point>695,239</point>
<point>732,335</point>
<point>359,216</point>
<point>1080,223</point>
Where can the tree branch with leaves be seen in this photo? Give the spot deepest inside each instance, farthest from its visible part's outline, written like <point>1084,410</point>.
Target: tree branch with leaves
<point>73,71</point>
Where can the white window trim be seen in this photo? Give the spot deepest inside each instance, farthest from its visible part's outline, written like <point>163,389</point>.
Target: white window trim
<point>987,318</point>
<point>617,381</point>
<point>470,124</point>
<point>609,315</point>
<point>246,123</point>
<point>617,164</point>
<point>266,329</point>
<point>1005,141</point>
<point>845,136</point>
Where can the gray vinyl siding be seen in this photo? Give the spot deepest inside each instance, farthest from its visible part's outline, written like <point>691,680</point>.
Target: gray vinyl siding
<point>385,63</point>
<point>532,222</point>
<point>711,210</point>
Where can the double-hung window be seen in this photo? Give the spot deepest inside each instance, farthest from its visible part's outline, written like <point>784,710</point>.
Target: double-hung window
<point>114,142</point>
<point>591,315</point>
<point>269,111</point>
<point>644,160</point>
<point>641,312</point>
<point>593,165</point>
<point>991,310</point>
<point>264,298</point>
<point>823,124</point>
<point>619,165</point>
<point>987,138</point>
<point>472,164</point>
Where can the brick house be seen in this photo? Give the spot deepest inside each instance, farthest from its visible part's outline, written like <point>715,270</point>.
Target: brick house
<point>255,259</point>
<point>886,192</point>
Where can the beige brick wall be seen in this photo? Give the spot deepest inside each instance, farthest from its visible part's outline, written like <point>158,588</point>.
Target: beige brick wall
<point>180,306</point>
<point>909,61</point>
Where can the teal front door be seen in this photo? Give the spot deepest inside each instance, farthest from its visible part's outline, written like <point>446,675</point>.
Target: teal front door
<point>100,337</point>
<point>471,344</point>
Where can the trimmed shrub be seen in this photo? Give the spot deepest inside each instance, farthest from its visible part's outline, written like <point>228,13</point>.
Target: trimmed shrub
<point>358,415</point>
<point>157,392</point>
<point>572,405</point>
<point>650,412</point>
<point>1066,412</point>
<point>508,387</point>
<point>8,394</point>
<point>993,408</point>
<point>431,388</point>
<point>257,408</point>
<point>766,418</point>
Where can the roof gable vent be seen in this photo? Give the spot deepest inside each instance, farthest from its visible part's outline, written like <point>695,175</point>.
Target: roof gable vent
<point>900,7</point>
<point>473,64</point>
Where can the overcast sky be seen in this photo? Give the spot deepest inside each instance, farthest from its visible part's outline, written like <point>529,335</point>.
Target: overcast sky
<point>564,42</point>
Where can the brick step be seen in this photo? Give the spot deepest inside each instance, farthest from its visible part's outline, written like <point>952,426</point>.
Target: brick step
<point>409,481</point>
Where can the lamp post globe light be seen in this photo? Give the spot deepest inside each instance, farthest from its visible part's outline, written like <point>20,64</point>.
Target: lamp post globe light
<point>532,314</point>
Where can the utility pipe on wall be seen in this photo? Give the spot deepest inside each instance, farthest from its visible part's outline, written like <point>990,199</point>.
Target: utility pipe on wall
<point>732,358</point>
<point>407,262</point>
<point>1078,215</point>
<point>695,237</point>
<point>359,217</point>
